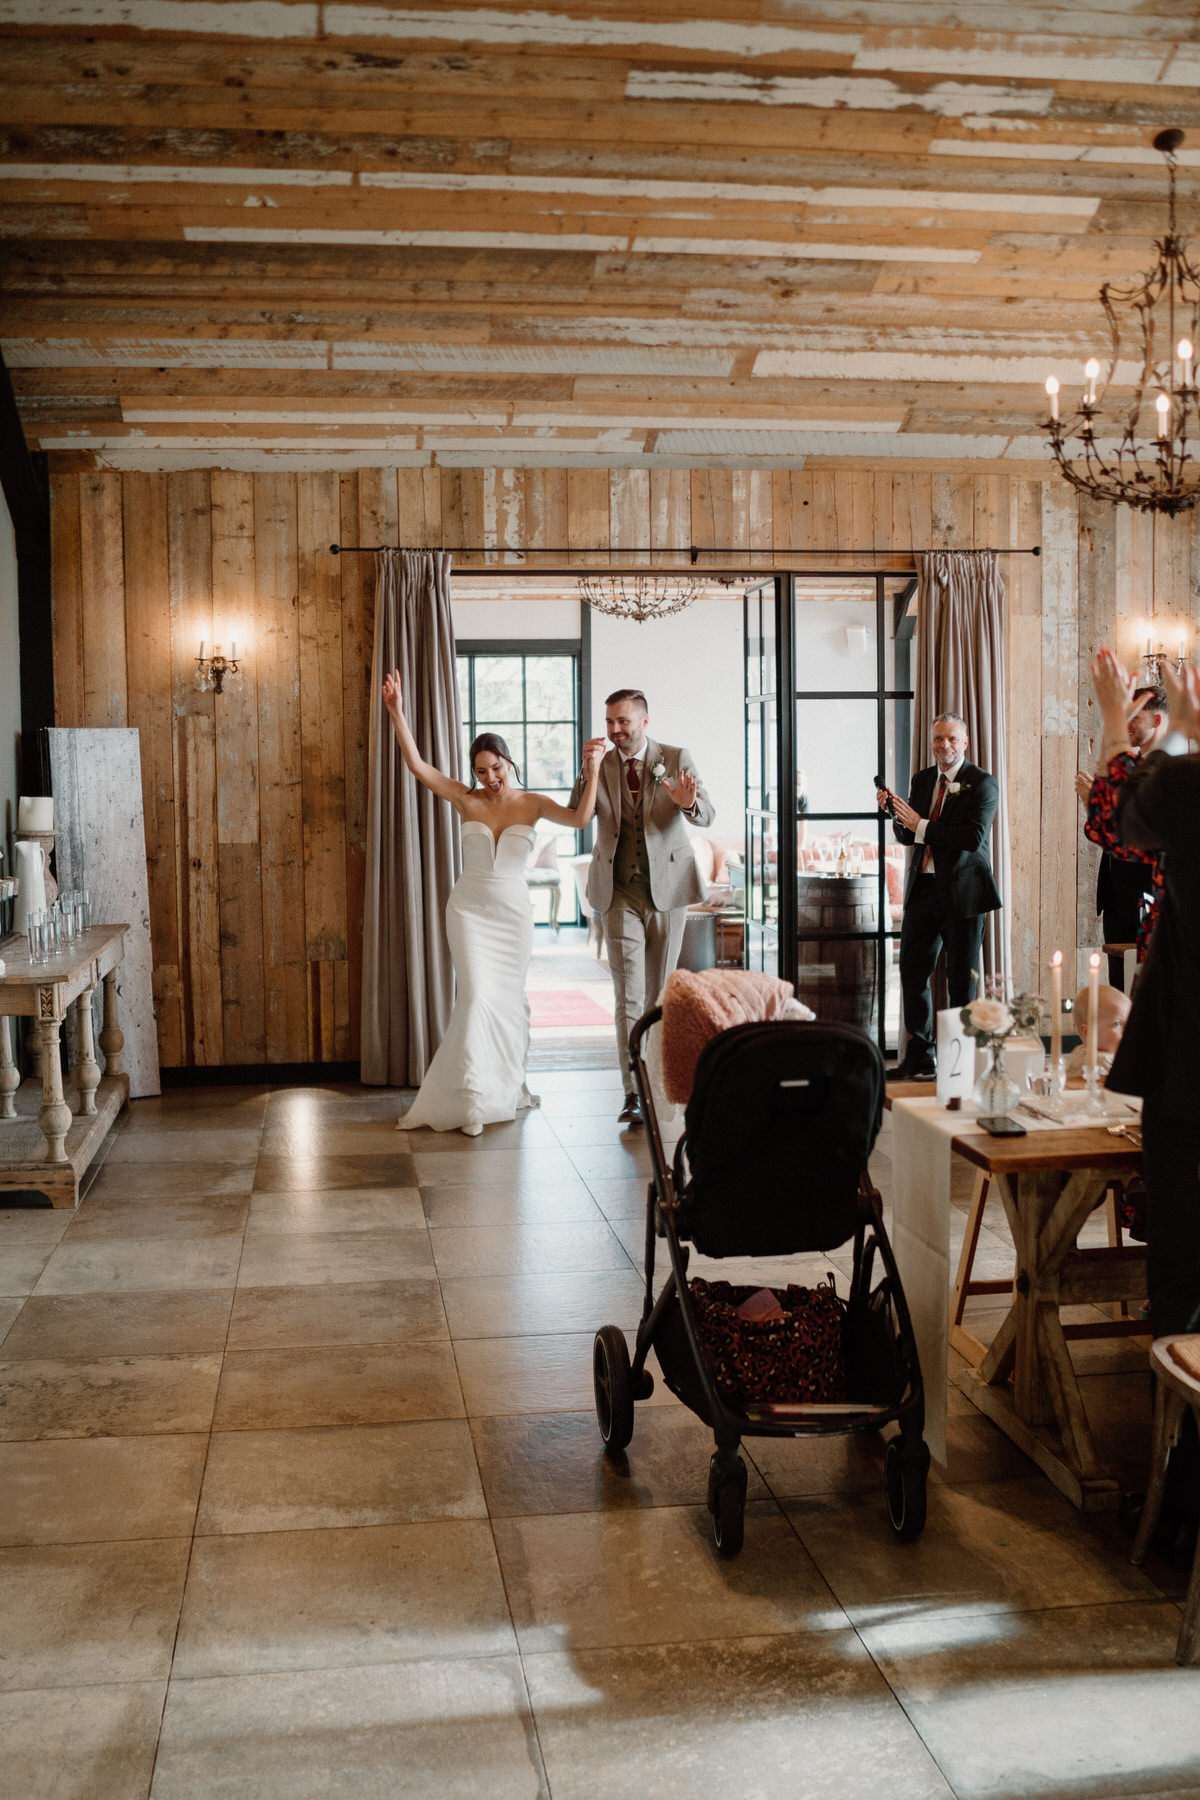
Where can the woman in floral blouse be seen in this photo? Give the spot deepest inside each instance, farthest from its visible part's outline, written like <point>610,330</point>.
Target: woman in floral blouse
<point>1144,724</point>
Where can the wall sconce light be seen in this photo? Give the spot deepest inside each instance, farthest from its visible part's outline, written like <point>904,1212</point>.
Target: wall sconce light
<point>212,670</point>
<point>1152,663</point>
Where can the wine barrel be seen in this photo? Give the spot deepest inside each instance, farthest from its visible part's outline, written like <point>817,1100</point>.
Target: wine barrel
<point>836,974</point>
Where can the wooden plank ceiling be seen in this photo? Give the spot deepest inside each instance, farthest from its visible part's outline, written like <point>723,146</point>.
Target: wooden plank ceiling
<point>262,234</point>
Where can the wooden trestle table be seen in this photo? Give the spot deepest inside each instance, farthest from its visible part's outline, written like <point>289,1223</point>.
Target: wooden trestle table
<point>1049,1182</point>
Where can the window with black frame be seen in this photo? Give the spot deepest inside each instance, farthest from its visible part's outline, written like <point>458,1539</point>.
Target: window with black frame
<point>529,694</point>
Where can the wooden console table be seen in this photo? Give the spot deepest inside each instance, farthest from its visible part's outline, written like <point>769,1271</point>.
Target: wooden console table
<point>49,1146</point>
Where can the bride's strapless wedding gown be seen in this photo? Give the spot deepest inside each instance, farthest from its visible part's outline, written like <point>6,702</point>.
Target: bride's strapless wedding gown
<point>477,1076</point>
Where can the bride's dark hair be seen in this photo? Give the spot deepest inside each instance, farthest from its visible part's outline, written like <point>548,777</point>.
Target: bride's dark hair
<point>489,744</point>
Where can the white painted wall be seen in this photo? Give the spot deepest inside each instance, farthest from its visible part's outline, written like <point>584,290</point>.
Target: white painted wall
<point>690,668</point>
<point>10,685</point>
<point>515,618</point>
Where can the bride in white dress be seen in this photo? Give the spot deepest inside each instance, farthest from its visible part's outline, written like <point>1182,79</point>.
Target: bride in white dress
<point>477,1076</point>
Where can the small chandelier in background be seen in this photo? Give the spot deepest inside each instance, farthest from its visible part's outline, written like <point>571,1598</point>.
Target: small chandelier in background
<point>1162,325</point>
<point>639,597</point>
<point>212,670</point>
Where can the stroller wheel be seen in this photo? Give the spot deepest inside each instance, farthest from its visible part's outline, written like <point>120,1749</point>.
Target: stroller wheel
<point>613,1387</point>
<point>727,1502</point>
<point>904,1483</point>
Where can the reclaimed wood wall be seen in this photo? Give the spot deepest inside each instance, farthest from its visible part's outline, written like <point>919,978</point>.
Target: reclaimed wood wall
<point>254,799</point>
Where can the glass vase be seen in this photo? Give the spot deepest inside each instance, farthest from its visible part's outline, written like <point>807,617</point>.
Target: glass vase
<point>996,1093</point>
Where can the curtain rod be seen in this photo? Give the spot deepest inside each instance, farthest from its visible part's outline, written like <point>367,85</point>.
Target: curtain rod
<point>694,551</point>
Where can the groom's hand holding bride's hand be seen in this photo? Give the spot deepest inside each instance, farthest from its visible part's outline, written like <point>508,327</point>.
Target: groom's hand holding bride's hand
<point>593,754</point>
<point>683,791</point>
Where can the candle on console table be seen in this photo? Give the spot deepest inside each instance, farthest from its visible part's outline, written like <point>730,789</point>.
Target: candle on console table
<point>35,813</point>
<point>1055,1008</point>
<point>1092,1056</point>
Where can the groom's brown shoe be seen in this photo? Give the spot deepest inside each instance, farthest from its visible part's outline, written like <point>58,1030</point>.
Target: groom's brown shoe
<point>631,1112</point>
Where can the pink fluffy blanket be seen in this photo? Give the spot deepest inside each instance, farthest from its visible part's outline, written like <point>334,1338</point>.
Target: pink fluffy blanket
<point>697,1006</point>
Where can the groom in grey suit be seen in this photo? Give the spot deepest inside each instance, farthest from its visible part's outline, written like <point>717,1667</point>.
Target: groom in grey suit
<point>643,876</point>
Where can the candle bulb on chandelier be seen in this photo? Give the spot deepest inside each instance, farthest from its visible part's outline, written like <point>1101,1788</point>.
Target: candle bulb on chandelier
<point>1163,404</point>
<point>1091,369</point>
<point>201,658</point>
<point>1184,352</point>
<point>1052,390</point>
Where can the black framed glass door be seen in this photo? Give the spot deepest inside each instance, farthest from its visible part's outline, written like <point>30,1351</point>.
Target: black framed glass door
<point>762,928</point>
<point>825,877</point>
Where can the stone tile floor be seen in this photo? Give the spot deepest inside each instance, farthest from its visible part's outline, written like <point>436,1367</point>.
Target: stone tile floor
<point>303,1496</point>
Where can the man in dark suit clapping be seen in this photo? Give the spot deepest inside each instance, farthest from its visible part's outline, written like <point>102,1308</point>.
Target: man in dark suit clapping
<point>948,821</point>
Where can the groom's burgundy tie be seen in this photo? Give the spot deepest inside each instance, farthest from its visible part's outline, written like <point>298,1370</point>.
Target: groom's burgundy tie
<point>632,778</point>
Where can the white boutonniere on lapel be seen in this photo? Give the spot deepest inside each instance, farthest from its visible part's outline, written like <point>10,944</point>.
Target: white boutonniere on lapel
<point>954,787</point>
<point>658,773</point>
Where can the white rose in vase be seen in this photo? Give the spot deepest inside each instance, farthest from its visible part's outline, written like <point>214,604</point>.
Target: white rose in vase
<point>991,1017</point>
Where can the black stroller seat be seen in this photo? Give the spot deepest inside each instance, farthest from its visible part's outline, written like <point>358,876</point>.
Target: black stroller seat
<point>773,1163</point>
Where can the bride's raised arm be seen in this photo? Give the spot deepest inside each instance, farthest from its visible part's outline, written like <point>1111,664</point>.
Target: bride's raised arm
<point>581,815</point>
<point>433,779</point>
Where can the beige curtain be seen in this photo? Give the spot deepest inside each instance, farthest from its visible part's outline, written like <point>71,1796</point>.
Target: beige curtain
<point>960,668</point>
<point>412,836</point>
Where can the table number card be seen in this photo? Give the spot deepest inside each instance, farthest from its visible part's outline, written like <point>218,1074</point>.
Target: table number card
<point>955,1058</point>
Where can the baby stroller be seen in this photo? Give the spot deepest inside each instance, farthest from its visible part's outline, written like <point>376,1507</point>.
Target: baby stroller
<point>773,1162</point>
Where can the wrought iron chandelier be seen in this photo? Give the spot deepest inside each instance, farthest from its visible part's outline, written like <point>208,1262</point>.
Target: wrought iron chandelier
<point>1154,471</point>
<point>639,597</point>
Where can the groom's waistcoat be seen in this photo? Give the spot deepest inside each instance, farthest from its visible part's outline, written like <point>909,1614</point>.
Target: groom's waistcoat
<point>631,866</point>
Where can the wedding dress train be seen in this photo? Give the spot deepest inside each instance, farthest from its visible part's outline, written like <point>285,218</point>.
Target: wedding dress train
<point>477,1076</point>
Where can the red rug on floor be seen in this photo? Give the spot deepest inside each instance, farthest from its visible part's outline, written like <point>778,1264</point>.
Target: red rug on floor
<point>555,1007</point>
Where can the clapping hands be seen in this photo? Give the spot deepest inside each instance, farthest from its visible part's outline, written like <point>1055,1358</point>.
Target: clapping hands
<point>1183,700</point>
<point>683,790</point>
<point>1114,694</point>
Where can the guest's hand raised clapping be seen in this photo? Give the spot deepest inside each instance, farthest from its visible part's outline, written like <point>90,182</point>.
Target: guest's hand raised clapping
<point>1183,700</point>
<point>1114,695</point>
